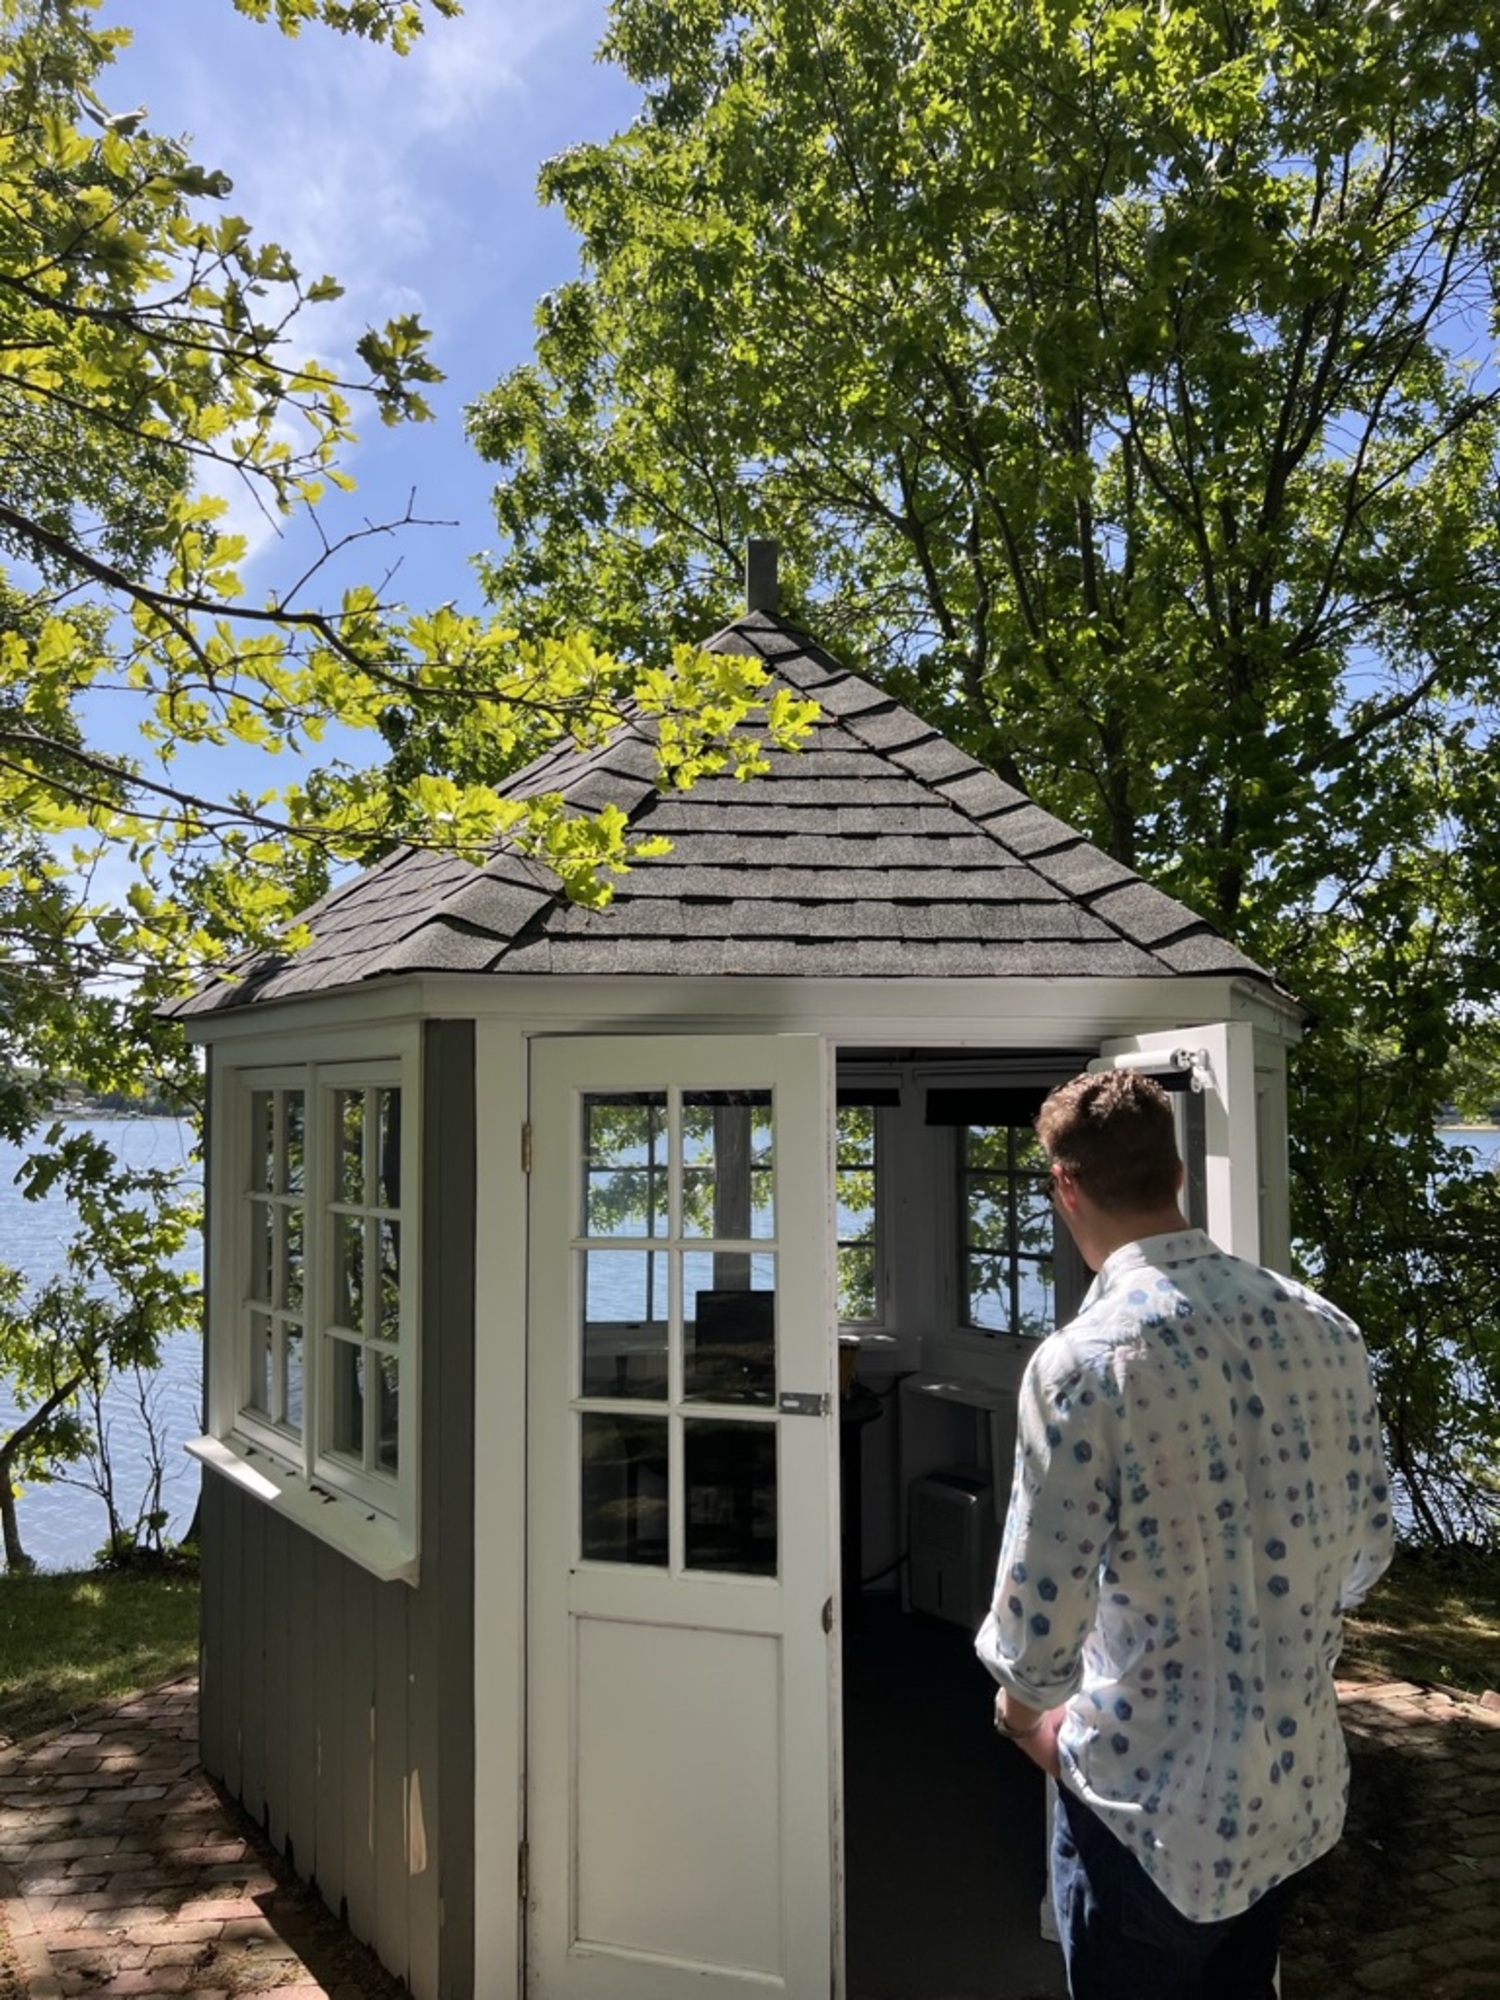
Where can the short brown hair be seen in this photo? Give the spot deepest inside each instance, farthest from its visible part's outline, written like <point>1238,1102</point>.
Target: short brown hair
<point>1115,1135</point>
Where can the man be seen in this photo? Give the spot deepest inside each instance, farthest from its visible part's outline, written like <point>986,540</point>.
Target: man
<point>1200,1492</point>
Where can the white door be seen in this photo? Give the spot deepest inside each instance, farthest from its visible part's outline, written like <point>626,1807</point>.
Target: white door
<point>682,1556</point>
<point>1219,1123</point>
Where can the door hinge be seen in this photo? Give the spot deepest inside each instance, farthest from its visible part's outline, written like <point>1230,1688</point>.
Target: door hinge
<point>828,1616</point>
<point>523,1870</point>
<point>526,1149</point>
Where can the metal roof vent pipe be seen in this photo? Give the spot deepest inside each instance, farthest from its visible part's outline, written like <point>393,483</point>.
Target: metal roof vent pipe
<point>762,591</point>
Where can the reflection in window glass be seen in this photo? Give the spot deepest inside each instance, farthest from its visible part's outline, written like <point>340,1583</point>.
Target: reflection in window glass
<point>293,1142</point>
<point>292,1409</point>
<point>729,1328</point>
<point>625,1165</point>
<point>262,1253</point>
<point>389,1239</point>
<point>349,1272</point>
<point>625,1323</point>
<point>347,1368</point>
<point>387,1422</point>
<point>349,1116</point>
<point>624,1512</point>
<point>388,1148</point>
<point>262,1358</point>
<point>728,1165</point>
<point>730,1487</point>
<point>1006,1254</point>
<point>292,1288</point>
<point>855,1190</point>
<point>263,1140</point>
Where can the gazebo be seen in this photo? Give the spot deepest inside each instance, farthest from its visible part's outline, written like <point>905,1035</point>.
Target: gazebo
<point>597,1301</point>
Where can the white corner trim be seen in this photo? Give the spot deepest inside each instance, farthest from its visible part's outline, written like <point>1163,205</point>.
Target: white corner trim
<point>371,1540</point>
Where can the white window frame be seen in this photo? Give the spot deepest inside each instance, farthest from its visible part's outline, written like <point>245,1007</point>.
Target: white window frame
<point>880,1318</point>
<point>371,1515</point>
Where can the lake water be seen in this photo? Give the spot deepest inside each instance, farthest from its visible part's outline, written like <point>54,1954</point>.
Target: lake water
<point>62,1527</point>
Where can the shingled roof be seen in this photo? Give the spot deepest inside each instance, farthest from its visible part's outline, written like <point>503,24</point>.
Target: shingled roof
<point>878,851</point>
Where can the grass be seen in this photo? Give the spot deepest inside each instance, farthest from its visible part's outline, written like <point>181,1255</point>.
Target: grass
<point>71,1640</point>
<point>1433,1617</point>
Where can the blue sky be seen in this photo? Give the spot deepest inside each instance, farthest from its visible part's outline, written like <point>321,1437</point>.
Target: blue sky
<point>413,182</point>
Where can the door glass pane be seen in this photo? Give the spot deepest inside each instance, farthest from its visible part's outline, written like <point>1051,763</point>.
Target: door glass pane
<point>625,1160</point>
<point>347,1367</point>
<point>624,1489</point>
<point>625,1323</point>
<point>729,1327</point>
<point>730,1476</point>
<point>349,1122</point>
<point>728,1168</point>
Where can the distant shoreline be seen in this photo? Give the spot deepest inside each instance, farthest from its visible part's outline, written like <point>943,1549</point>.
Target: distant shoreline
<point>78,1107</point>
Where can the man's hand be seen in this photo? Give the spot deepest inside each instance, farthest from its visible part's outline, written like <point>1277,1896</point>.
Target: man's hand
<point>1032,1730</point>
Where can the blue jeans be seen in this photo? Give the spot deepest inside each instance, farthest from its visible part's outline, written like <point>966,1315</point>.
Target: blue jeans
<point>1122,1939</point>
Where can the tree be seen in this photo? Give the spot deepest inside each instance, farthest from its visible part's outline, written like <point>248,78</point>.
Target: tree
<point>146,358</point>
<point>122,1293</point>
<point>1115,379</point>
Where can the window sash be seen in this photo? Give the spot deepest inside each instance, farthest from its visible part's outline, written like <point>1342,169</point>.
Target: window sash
<point>372,1365</point>
<point>1004,1185</point>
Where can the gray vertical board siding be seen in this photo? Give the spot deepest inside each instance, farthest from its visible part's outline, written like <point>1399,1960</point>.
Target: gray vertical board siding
<point>340,1710</point>
<point>442,1711</point>
<point>232,1637</point>
<point>329,1696</point>
<point>278,1648</point>
<point>301,1598</point>
<point>252,1651</point>
<point>391,1933</point>
<point>358,1720</point>
<point>215,1583</point>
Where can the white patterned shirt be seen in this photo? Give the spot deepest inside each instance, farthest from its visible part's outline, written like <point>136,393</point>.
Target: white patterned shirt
<point>1200,1492</point>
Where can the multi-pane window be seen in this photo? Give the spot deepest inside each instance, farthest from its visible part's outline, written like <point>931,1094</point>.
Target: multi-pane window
<point>859,1271</point>
<point>363,1344</point>
<point>276,1291</point>
<point>326,1292</point>
<point>1006,1228</point>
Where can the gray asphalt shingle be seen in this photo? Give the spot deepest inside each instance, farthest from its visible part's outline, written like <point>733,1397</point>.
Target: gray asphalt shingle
<point>879,851</point>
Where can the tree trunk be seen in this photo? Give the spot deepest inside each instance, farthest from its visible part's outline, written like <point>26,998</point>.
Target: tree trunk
<point>16,1558</point>
<point>17,1562</point>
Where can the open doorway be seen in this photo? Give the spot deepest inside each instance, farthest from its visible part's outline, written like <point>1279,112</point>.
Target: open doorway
<point>949,1271</point>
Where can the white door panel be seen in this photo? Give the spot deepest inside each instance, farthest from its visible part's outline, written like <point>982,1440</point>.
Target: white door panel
<point>681,1760</point>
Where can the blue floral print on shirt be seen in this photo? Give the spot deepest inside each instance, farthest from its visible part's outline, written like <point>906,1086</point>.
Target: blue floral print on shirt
<point>1200,1493</point>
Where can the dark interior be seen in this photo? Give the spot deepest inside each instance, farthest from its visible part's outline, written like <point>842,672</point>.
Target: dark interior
<point>945,1824</point>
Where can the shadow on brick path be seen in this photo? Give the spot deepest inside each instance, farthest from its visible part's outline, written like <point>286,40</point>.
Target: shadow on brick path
<point>131,1873</point>
<point>1408,1905</point>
